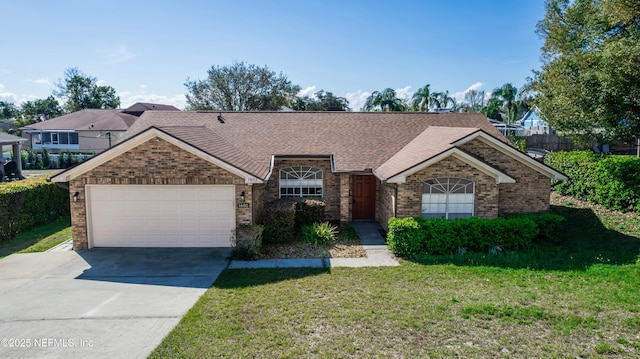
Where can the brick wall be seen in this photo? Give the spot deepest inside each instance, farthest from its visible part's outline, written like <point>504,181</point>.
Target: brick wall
<point>486,191</point>
<point>153,163</point>
<point>346,198</point>
<point>385,205</point>
<point>530,193</point>
<point>331,183</point>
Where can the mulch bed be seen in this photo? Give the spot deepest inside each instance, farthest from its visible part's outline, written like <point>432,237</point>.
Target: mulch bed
<point>341,248</point>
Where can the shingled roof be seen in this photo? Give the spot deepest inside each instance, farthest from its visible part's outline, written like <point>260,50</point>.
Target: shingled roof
<point>357,141</point>
<point>94,119</point>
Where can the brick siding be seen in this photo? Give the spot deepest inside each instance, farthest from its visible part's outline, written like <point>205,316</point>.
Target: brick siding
<point>331,183</point>
<point>530,193</point>
<point>151,163</point>
<point>486,191</point>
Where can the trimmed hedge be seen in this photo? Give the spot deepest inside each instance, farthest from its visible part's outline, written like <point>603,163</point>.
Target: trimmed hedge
<point>415,235</point>
<point>278,219</point>
<point>29,203</point>
<point>309,212</point>
<point>611,181</point>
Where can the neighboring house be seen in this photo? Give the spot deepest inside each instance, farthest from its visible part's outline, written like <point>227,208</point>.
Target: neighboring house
<point>91,130</point>
<point>7,125</point>
<point>508,130</point>
<point>535,123</point>
<point>186,179</point>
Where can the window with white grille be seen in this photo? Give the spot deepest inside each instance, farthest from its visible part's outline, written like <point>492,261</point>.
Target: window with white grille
<point>447,198</point>
<point>300,181</point>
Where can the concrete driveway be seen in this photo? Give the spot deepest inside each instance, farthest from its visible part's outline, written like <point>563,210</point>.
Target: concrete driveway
<point>101,303</point>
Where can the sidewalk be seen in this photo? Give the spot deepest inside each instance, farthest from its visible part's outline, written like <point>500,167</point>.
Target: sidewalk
<point>378,255</point>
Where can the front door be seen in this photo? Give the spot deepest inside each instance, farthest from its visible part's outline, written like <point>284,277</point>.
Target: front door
<point>364,197</point>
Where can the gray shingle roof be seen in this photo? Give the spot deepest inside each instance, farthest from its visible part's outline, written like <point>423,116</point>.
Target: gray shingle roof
<point>357,140</point>
<point>94,119</point>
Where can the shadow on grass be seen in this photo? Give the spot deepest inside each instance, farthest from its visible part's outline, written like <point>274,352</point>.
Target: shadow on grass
<point>27,239</point>
<point>584,242</point>
<point>241,278</point>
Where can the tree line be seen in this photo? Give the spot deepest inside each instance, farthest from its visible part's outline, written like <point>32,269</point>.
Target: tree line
<point>77,90</point>
<point>588,86</point>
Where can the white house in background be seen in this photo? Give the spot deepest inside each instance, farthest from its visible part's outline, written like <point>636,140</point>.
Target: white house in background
<point>91,130</point>
<point>535,123</point>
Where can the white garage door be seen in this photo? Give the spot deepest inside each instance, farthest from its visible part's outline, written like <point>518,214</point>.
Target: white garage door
<point>160,216</point>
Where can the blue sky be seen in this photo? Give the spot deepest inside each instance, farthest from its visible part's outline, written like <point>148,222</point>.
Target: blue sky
<point>147,49</point>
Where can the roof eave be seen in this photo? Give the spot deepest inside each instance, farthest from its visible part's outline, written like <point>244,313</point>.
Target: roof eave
<point>499,176</point>
<point>150,133</point>
<point>513,153</point>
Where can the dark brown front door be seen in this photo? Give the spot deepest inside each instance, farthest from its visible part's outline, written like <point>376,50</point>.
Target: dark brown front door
<point>364,197</point>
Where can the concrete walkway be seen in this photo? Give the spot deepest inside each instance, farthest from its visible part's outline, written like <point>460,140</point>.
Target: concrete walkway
<point>378,255</point>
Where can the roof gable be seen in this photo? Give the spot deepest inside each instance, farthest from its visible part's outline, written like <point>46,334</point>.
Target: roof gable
<point>143,137</point>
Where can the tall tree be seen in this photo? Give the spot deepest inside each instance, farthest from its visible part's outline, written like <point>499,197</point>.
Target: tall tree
<point>80,91</point>
<point>385,101</point>
<point>321,101</point>
<point>442,100</point>
<point>40,110</point>
<point>420,99</point>
<point>492,109</point>
<point>588,85</point>
<point>8,110</point>
<point>240,87</point>
<point>507,93</point>
<point>475,100</point>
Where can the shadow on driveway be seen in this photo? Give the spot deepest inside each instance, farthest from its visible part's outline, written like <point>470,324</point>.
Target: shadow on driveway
<point>178,267</point>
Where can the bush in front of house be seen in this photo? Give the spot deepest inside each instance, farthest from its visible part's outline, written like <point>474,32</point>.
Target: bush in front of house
<point>319,233</point>
<point>608,180</point>
<point>278,219</point>
<point>309,212</point>
<point>29,203</point>
<point>247,241</point>
<point>415,235</point>
<point>550,226</point>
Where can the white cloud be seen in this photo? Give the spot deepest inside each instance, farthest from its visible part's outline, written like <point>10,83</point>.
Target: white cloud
<point>1,87</point>
<point>307,91</point>
<point>42,81</point>
<point>117,55</point>
<point>127,99</point>
<point>404,93</point>
<point>357,99</point>
<point>143,86</point>
<point>8,97</point>
<point>459,96</point>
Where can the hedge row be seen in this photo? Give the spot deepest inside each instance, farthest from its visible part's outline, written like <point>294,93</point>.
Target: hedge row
<point>611,181</point>
<point>29,203</point>
<point>284,219</point>
<point>415,235</point>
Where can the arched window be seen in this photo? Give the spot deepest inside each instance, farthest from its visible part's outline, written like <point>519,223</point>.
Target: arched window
<point>448,198</point>
<point>300,181</point>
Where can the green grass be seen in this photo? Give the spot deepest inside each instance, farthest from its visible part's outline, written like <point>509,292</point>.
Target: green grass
<point>576,299</point>
<point>38,239</point>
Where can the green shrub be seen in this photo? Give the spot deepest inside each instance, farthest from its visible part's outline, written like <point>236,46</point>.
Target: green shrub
<point>247,241</point>
<point>611,181</point>
<point>308,212</point>
<point>319,233</point>
<point>349,232</point>
<point>409,236</point>
<point>549,225</point>
<point>278,219</point>
<point>405,237</point>
<point>29,203</point>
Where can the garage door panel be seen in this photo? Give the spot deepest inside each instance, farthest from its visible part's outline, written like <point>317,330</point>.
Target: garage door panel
<point>161,216</point>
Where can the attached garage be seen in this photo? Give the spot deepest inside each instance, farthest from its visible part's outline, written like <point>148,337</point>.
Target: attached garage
<point>160,215</point>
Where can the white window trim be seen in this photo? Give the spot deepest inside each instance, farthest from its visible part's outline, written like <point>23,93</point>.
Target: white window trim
<point>302,177</point>
<point>448,194</point>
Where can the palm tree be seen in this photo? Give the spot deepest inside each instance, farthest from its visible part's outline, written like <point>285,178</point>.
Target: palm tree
<point>441,100</point>
<point>420,99</point>
<point>386,100</point>
<point>508,94</point>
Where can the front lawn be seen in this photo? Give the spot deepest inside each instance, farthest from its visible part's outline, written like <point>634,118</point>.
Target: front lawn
<point>575,299</point>
<point>38,239</point>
